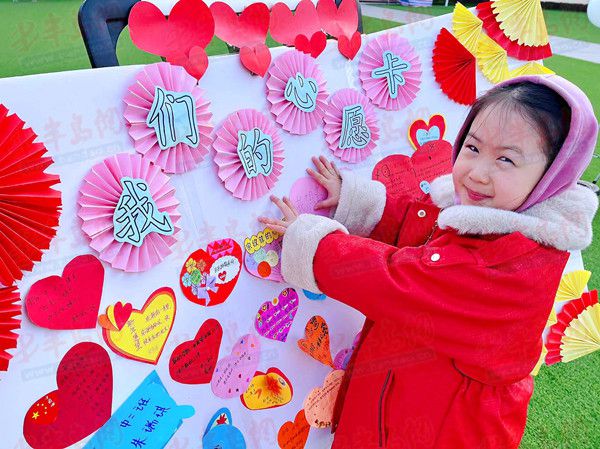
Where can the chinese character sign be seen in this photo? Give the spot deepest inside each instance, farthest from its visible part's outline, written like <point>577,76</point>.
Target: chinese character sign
<point>302,92</point>
<point>255,150</point>
<point>355,132</point>
<point>392,71</point>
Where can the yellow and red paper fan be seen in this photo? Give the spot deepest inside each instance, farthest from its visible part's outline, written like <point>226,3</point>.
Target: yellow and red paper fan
<point>454,68</point>
<point>466,26</point>
<point>492,60</point>
<point>531,68</point>
<point>533,45</point>
<point>29,207</point>
<point>9,310</point>
<point>572,285</point>
<point>577,331</point>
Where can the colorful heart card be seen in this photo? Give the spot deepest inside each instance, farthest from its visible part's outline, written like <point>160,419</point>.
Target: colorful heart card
<point>340,20</point>
<point>143,335</point>
<point>81,404</point>
<point>420,132</point>
<point>306,193</point>
<point>193,362</point>
<point>343,356</point>
<point>233,373</point>
<point>316,343</point>
<point>262,257</point>
<point>220,432</point>
<point>209,276</point>
<point>293,435</point>
<point>274,318</point>
<point>148,418</point>
<point>286,25</point>
<point>320,402</point>
<point>267,390</point>
<point>71,301</point>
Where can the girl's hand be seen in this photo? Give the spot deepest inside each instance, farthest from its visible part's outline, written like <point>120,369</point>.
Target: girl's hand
<point>329,177</point>
<point>289,215</point>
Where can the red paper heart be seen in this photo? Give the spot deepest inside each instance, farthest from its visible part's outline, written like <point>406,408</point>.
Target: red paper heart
<point>314,47</point>
<point>190,24</point>
<point>285,25</point>
<point>435,120</point>
<point>193,362</point>
<point>83,400</point>
<point>402,175</point>
<point>122,313</point>
<point>349,47</point>
<point>338,21</point>
<point>256,59</point>
<point>71,301</point>
<point>247,29</point>
<point>195,63</point>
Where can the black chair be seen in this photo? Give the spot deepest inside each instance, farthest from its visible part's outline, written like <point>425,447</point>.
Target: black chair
<point>102,21</point>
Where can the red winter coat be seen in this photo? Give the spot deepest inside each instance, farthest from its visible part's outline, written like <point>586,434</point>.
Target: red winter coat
<point>454,321</point>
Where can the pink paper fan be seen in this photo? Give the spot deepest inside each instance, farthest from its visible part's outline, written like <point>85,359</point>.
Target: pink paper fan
<point>98,199</point>
<point>231,170</point>
<point>342,145</point>
<point>180,157</point>
<point>297,92</point>
<point>390,72</point>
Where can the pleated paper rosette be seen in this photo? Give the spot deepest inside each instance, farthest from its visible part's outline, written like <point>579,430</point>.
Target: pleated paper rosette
<point>231,171</point>
<point>334,115</point>
<point>10,309</point>
<point>296,91</point>
<point>466,26</point>
<point>29,206</point>
<point>371,68</point>
<point>139,99</point>
<point>98,199</point>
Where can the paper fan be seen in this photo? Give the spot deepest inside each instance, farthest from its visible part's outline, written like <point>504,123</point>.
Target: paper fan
<point>512,47</point>
<point>466,26</point>
<point>297,92</point>
<point>454,68</point>
<point>577,332</point>
<point>522,20</point>
<point>29,207</point>
<point>531,68</point>
<point>390,72</point>
<point>168,119</point>
<point>249,154</point>
<point>351,129</point>
<point>129,212</point>
<point>492,59</point>
<point>9,310</point>
<point>572,285</point>
<point>552,319</point>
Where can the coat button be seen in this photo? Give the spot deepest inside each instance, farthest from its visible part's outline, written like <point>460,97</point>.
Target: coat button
<point>435,257</point>
<point>421,213</point>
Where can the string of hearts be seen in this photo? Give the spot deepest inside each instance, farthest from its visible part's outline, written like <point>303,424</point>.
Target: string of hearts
<point>182,38</point>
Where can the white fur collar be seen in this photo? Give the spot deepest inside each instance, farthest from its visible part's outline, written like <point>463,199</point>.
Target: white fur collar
<point>563,221</point>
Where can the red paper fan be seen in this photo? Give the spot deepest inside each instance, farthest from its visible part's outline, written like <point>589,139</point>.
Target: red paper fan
<point>513,48</point>
<point>570,312</point>
<point>454,67</point>
<point>9,310</point>
<point>29,207</point>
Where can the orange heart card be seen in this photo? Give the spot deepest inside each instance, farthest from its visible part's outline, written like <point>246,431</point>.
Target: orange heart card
<point>320,402</point>
<point>293,435</point>
<point>316,343</point>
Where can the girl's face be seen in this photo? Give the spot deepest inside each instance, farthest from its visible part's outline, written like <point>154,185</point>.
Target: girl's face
<point>501,160</point>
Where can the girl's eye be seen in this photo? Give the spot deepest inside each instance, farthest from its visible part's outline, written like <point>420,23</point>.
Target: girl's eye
<point>472,148</point>
<point>505,159</point>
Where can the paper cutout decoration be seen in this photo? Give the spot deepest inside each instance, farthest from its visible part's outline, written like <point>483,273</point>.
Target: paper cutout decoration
<point>267,390</point>
<point>29,206</point>
<point>522,20</point>
<point>293,435</point>
<point>248,32</point>
<point>220,432</point>
<point>572,285</point>
<point>351,128</point>
<point>343,357</point>
<point>145,332</point>
<point>168,118</point>
<point>320,402</point>
<point>577,331</point>
<point>116,316</point>
<point>79,406</point>
<point>193,362</point>
<point>234,372</point>
<point>339,20</point>
<point>313,46</point>
<point>148,418</point>
<point>209,276</point>
<point>390,72</point>
<point>262,257</point>
<point>242,164</point>
<point>466,27</point>
<point>181,38</point>
<point>99,195</point>
<point>286,25</point>
<point>513,48</point>
<point>454,68</point>
<point>316,341</point>
<point>531,68</point>
<point>314,296</point>
<point>492,59</point>
<point>306,193</point>
<point>296,91</point>
<point>420,134</point>
<point>274,318</point>
<point>70,301</point>
<point>9,323</point>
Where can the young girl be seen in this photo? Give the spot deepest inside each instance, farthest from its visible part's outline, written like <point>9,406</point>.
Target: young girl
<point>456,288</point>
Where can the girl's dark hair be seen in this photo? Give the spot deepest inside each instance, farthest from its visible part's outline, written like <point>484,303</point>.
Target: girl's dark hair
<point>541,106</point>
